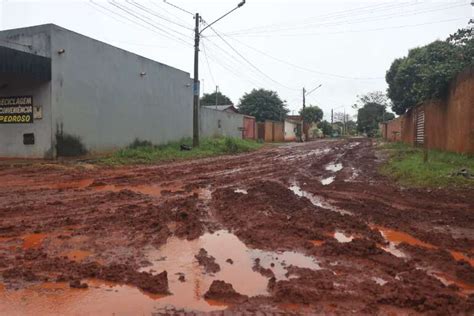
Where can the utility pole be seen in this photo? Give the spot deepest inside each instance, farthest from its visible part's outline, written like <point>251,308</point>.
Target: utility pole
<point>332,117</point>
<point>217,89</point>
<point>304,98</point>
<point>196,89</point>
<point>345,128</point>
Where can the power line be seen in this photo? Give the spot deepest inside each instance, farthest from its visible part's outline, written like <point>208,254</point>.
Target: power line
<point>139,17</point>
<point>149,11</point>
<point>154,3</point>
<point>327,16</point>
<point>136,23</point>
<point>249,62</point>
<point>304,68</point>
<point>208,65</point>
<point>345,22</point>
<point>179,8</point>
<point>350,31</point>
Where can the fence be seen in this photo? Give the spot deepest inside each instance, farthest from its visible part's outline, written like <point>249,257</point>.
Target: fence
<point>446,124</point>
<point>271,131</point>
<point>250,128</point>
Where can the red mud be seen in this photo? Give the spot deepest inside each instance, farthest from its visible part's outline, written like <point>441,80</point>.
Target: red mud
<point>131,234</point>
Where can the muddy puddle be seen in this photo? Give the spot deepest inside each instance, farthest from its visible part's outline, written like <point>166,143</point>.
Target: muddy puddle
<point>342,237</point>
<point>100,298</point>
<point>316,200</point>
<point>328,181</point>
<point>334,167</point>
<point>395,238</point>
<point>33,241</point>
<point>241,191</point>
<point>465,288</point>
<point>177,258</point>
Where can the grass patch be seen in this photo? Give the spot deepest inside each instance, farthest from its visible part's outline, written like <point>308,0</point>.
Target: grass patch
<point>143,152</point>
<point>406,166</point>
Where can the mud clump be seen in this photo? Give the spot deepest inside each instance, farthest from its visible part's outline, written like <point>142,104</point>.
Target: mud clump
<point>76,284</point>
<point>20,273</point>
<point>208,262</point>
<point>263,271</point>
<point>221,291</point>
<point>230,261</point>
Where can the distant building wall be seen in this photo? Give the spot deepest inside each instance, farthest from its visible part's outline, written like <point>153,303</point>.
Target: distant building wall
<point>290,131</point>
<point>215,123</point>
<point>448,123</point>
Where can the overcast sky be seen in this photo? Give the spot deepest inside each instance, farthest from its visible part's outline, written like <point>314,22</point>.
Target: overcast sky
<point>282,45</point>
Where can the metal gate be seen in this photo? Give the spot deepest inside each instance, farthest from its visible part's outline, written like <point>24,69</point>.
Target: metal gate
<point>420,127</point>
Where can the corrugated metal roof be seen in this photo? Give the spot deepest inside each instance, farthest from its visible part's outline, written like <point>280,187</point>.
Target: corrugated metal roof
<point>13,61</point>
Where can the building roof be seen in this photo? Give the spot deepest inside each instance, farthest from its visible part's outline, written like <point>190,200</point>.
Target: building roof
<point>13,61</point>
<point>227,108</point>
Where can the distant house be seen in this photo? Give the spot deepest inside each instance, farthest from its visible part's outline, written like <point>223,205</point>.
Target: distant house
<point>224,108</point>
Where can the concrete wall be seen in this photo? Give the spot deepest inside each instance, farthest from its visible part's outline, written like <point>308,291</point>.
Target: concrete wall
<point>96,93</point>
<point>290,131</point>
<point>11,139</point>
<point>99,94</point>
<point>34,41</point>
<point>215,123</point>
<point>449,123</point>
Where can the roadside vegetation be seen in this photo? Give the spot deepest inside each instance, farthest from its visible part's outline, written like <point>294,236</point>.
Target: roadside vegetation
<point>144,152</point>
<point>406,165</point>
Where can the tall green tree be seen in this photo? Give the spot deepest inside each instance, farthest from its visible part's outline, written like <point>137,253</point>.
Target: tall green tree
<point>426,72</point>
<point>378,97</point>
<point>312,114</point>
<point>264,105</point>
<point>369,117</point>
<point>210,99</point>
<point>326,128</point>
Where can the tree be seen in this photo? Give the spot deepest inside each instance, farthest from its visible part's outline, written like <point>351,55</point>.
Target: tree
<point>326,128</point>
<point>312,114</point>
<point>378,97</point>
<point>210,99</point>
<point>426,72</point>
<point>369,117</point>
<point>264,105</point>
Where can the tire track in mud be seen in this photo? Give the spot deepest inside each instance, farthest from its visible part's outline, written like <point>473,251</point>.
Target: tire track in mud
<point>115,215</point>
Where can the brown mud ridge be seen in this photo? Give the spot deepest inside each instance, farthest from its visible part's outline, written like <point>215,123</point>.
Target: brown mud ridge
<point>296,229</point>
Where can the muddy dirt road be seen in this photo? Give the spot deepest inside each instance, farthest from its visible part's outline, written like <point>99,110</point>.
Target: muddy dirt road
<point>296,229</point>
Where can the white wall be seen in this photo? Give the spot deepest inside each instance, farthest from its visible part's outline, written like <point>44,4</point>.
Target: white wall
<point>215,123</point>
<point>290,131</point>
<point>100,96</point>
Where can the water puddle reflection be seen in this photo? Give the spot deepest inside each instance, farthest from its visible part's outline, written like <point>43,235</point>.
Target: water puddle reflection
<point>342,238</point>
<point>315,200</point>
<point>33,241</point>
<point>100,298</point>
<point>334,167</point>
<point>177,258</point>
<point>327,181</point>
<point>241,191</point>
